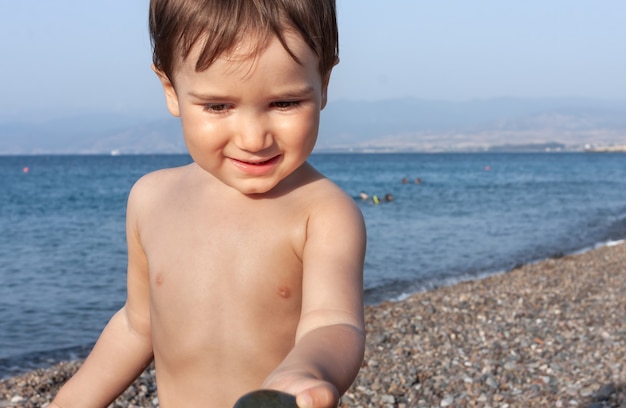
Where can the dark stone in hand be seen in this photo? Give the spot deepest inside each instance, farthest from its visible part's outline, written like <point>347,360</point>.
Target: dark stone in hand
<point>266,399</point>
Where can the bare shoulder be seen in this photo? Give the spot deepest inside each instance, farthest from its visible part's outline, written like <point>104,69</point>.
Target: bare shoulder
<point>154,189</point>
<point>329,204</point>
<point>159,182</point>
<point>330,197</point>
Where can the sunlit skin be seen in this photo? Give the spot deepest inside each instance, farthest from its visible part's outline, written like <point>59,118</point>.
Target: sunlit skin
<point>244,267</point>
<point>250,122</point>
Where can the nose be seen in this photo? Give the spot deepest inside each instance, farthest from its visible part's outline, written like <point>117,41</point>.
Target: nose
<point>253,132</point>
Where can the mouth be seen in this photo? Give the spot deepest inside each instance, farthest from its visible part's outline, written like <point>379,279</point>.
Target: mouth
<point>260,163</point>
<point>257,167</point>
<point>271,160</point>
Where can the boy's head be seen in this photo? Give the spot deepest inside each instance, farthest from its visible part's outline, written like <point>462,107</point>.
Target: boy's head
<point>217,26</point>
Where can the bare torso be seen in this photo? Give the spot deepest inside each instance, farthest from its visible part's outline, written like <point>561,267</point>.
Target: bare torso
<point>225,277</point>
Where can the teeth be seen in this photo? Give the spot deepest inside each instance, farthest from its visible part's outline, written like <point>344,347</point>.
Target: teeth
<point>257,163</point>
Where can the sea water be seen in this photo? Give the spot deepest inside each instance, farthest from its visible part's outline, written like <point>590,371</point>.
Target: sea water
<point>62,234</point>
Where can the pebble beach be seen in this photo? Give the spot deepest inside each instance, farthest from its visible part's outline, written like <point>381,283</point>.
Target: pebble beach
<point>547,334</point>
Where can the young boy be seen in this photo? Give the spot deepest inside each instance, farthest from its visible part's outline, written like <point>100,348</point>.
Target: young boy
<point>244,267</point>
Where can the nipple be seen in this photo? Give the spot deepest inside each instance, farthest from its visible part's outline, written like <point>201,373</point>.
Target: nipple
<point>284,292</point>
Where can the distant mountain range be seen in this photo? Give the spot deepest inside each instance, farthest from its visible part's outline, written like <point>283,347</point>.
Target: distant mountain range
<point>420,125</point>
<point>378,126</point>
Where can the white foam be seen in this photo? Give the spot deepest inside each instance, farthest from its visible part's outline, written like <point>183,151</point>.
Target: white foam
<point>449,281</point>
<point>615,243</point>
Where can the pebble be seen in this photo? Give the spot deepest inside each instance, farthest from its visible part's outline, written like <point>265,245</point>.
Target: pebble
<point>548,334</point>
<point>447,401</point>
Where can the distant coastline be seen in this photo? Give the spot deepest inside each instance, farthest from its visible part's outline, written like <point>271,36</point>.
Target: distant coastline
<point>606,149</point>
<point>384,126</point>
<point>509,148</point>
<point>506,148</point>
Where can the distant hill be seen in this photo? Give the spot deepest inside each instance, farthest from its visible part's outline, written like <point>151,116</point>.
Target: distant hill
<point>390,125</point>
<point>420,125</point>
<point>92,134</point>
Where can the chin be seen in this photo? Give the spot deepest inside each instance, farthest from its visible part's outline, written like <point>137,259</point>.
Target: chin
<point>257,189</point>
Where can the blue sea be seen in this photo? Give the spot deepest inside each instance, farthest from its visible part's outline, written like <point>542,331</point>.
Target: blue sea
<point>63,254</point>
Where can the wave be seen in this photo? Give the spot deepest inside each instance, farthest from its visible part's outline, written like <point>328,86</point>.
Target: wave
<point>19,364</point>
<point>397,291</point>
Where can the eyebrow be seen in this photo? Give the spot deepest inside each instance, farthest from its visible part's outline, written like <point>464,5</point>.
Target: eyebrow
<point>295,92</point>
<point>206,96</point>
<point>287,93</point>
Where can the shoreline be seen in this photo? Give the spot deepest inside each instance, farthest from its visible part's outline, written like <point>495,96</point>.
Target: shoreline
<point>549,333</point>
<point>469,277</point>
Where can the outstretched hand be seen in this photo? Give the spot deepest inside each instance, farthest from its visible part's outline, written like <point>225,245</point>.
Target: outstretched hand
<point>310,392</point>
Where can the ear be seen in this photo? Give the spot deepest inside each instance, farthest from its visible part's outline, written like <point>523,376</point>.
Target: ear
<point>170,93</point>
<point>325,81</point>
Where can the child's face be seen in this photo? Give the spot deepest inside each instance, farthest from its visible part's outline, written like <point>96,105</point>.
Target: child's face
<point>250,122</point>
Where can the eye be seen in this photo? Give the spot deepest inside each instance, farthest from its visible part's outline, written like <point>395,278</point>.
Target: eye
<point>216,107</point>
<point>285,104</point>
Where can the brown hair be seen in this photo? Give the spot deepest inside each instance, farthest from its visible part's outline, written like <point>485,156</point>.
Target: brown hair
<point>177,25</point>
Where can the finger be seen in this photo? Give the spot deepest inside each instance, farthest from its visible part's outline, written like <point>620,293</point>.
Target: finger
<point>320,396</point>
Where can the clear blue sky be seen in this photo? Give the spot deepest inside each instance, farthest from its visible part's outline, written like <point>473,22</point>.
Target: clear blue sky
<point>67,56</point>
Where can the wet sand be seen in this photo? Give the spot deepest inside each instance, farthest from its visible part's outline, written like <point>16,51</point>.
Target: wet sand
<point>550,334</point>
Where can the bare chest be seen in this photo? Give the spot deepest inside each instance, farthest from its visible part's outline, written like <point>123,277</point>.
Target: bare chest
<point>208,256</point>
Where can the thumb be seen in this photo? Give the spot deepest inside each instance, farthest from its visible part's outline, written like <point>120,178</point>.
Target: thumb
<point>320,396</point>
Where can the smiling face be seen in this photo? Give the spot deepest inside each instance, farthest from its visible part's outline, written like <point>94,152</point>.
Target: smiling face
<point>250,119</point>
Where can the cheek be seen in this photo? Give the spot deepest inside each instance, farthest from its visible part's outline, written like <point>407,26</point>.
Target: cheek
<point>311,131</point>
<point>301,129</point>
<point>198,130</point>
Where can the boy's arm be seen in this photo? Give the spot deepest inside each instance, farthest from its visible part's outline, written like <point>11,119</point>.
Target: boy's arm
<point>330,340</point>
<point>124,348</point>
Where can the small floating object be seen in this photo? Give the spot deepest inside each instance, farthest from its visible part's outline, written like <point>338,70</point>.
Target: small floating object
<point>266,399</point>
<point>25,169</point>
